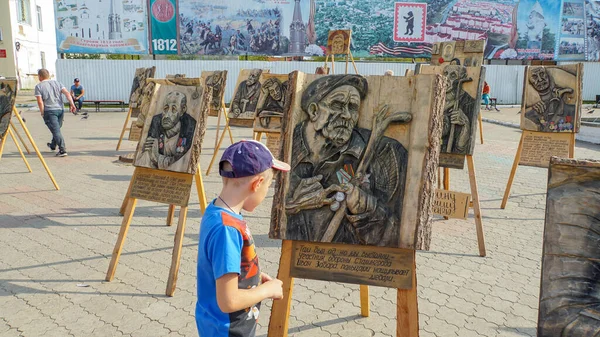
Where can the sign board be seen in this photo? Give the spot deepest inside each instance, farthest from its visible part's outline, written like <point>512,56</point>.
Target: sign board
<point>570,279</point>
<point>451,204</point>
<point>409,21</point>
<point>163,25</point>
<point>538,147</point>
<point>377,266</point>
<point>161,186</point>
<point>135,132</point>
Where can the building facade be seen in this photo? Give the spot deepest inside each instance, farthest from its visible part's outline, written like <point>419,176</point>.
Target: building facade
<point>27,40</point>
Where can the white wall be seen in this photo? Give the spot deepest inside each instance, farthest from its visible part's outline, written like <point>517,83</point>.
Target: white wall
<point>111,79</point>
<point>34,41</point>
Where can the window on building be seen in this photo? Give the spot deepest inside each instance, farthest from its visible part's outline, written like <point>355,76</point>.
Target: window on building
<point>24,11</point>
<point>43,56</point>
<point>39,17</point>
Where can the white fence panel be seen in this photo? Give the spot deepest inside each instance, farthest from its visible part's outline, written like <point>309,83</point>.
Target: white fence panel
<point>111,79</point>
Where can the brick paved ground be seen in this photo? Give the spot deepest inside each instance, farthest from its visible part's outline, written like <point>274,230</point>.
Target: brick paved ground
<point>52,242</point>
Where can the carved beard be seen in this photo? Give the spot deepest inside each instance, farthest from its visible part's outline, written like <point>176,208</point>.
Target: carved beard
<point>338,131</point>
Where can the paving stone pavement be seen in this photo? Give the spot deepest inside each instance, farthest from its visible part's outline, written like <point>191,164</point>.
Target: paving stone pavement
<point>56,246</point>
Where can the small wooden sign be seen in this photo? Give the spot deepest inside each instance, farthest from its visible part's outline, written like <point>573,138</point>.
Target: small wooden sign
<point>451,204</point>
<point>273,141</point>
<point>135,132</point>
<point>452,160</point>
<point>538,147</point>
<point>161,186</point>
<point>365,265</point>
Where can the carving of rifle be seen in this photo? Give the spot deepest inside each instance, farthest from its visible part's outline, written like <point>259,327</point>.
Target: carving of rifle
<point>456,101</point>
<point>380,124</point>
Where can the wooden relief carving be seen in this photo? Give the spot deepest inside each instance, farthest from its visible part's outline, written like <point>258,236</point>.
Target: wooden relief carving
<point>173,131</point>
<point>570,287</point>
<point>215,80</point>
<point>467,53</point>
<point>338,42</point>
<point>139,83</point>
<point>145,101</point>
<point>244,102</point>
<point>8,94</point>
<point>274,91</point>
<point>352,141</point>
<point>552,98</point>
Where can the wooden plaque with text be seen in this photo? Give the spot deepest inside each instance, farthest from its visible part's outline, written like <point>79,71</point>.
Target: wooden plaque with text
<point>538,147</point>
<point>161,186</point>
<point>451,204</point>
<point>377,266</point>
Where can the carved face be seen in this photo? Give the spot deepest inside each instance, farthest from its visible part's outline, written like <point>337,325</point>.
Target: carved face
<point>337,114</point>
<point>337,44</point>
<point>174,107</point>
<point>453,74</point>
<point>275,90</point>
<point>253,77</point>
<point>539,79</point>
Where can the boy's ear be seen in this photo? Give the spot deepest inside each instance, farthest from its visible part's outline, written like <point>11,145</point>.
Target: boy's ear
<point>256,183</point>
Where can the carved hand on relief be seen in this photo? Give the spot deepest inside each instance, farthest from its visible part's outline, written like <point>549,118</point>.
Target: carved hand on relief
<point>539,107</point>
<point>384,118</point>
<point>310,194</point>
<point>458,117</point>
<point>559,92</point>
<point>357,200</point>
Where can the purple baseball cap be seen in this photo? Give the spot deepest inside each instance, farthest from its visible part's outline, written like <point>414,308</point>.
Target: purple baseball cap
<point>248,158</point>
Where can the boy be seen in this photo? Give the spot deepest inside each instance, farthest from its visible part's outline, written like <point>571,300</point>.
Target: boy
<point>49,99</point>
<point>230,284</point>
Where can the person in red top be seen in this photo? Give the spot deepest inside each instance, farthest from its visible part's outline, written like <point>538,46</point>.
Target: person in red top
<point>486,95</point>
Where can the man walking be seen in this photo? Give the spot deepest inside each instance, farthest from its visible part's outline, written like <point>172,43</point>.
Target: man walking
<point>77,92</point>
<point>49,99</point>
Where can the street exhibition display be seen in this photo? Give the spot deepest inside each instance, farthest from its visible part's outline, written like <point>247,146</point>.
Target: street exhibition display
<point>101,27</point>
<point>139,84</point>
<point>173,130</point>
<point>246,96</point>
<point>382,131</point>
<point>167,160</point>
<point>461,111</point>
<point>242,27</point>
<point>8,94</point>
<point>338,42</point>
<point>550,116</point>
<point>569,292</point>
<point>466,53</point>
<point>215,81</point>
<point>269,112</point>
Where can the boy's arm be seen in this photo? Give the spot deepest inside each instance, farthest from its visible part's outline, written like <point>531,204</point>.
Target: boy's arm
<point>68,95</point>
<point>40,103</point>
<point>231,299</point>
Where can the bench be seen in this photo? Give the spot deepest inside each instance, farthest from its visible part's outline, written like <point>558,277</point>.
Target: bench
<point>98,101</point>
<point>493,103</point>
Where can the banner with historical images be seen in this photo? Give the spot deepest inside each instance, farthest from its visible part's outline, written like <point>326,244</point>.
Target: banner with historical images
<point>592,27</point>
<point>101,27</point>
<point>246,27</point>
<point>163,26</point>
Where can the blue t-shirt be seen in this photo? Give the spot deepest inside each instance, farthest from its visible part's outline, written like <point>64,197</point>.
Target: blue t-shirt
<point>225,246</point>
<point>77,90</point>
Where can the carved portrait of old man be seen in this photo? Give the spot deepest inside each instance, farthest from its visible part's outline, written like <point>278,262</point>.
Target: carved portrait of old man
<point>246,96</point>
<point>328,150</point>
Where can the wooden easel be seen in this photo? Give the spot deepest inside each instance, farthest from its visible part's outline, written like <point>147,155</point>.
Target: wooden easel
<point>125,127</point>
<point>349,57</point>
<point>218,144</point>
<point>131,202</point>
<point>475,200</point>
<point>481,127</point>
<point>35,148</point>
<point>407,324</point>
<point>223,112</point>
<point>513,170</point>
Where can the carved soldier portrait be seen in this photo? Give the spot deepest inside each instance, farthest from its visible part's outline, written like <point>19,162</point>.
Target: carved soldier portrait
<point>271,103</point>
<point>246,96</point>
<point>173,130</point>
<point>216,81</point>
<point>551,99</point>
<point>570,285</point>
<point>348,139</point>
<point>8,94</point>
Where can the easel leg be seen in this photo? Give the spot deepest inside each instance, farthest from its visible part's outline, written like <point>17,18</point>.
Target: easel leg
<point>176,258</point>
<point>365,307</point>
<point>124,128</point>
<point>124,203</point>
<point>332,64</point>
<point>481,128</point>
<point>10,132</point>
<point>201,191</point>
<point>229,131</point>
<point>258,136</point>
<point>347,60</point>
<point>170,215</point>
<point>407,323</point>
<point>110,274</point>
<point>512,173</point>
<point>20,138</point>
<point>2,142</point>
<point>217,148</point>
<point>476,206</point>
<point>572,146</point>
<point>35,148</point>
<point>280,313</point>
<point>353,64</point>
<point>221,111</point>
<point>446,182</point>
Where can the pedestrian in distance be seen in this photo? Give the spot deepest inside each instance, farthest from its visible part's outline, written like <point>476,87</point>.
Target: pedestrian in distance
<point>49,99</point>
<point>230,283</point>
<point>77,92</point>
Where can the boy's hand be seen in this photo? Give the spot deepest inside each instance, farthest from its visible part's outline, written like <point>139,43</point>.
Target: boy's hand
<point>274,289</point>
<point>264,278</point>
